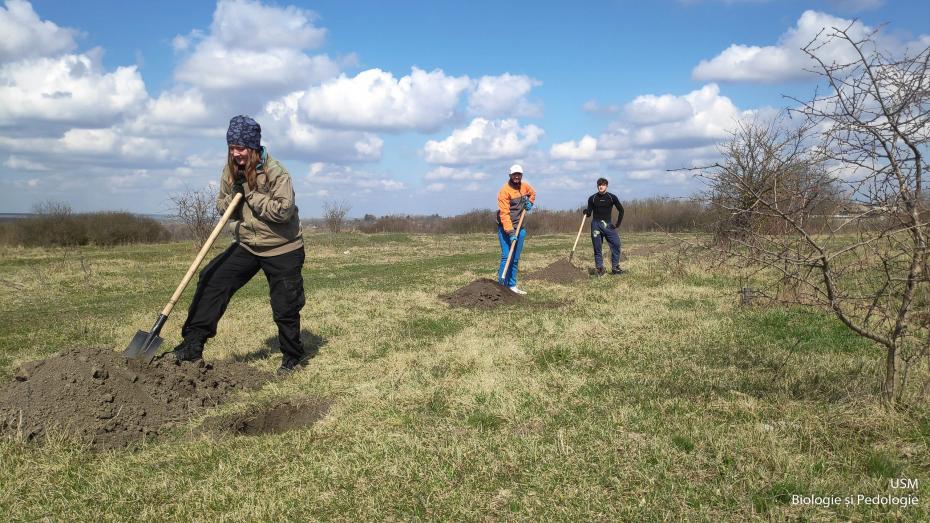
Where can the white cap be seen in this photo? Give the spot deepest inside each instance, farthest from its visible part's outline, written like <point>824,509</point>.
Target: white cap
<point>516,168</point>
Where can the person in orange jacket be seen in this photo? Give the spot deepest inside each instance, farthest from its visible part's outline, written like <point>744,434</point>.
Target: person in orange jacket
<point>513,198</point>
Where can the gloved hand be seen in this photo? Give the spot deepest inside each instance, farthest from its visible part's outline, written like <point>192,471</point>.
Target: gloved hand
<point>239,182</point>
<point>586,212</point>
<point>528,205</point>
<point>605,224</point>
<point>512,235</point>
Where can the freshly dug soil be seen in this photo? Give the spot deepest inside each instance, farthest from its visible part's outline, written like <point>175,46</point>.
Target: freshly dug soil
<point>96,397</point>
<point>484,293</point>
<point>561,271</point>
<point>274,418</point>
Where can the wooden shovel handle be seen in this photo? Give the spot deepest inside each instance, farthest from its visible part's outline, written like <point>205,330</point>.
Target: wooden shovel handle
<point>203,252</point>
<point>583,218</point>
<point>513,245</point>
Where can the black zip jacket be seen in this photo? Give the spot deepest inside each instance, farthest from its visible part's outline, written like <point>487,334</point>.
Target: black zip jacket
<point>601,205</point>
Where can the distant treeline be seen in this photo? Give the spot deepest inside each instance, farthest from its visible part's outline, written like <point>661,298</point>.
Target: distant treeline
<point>58,227</point>
<point>63,229</point>
<point>650,214</point>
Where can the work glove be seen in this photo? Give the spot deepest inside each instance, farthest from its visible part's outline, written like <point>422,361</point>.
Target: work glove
<point>605,224</point>
<point>528,205</point>
<point>586,212</point>
<point>239,181</point>
<point>512,235</point>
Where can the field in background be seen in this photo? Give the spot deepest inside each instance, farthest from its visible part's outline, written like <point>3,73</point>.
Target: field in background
<point>651,396</point>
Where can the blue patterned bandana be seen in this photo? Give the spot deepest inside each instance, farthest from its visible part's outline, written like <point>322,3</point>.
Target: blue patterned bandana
<point>244,131</point>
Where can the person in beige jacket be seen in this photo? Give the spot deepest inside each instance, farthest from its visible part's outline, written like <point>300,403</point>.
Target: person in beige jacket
<point>267,237</point>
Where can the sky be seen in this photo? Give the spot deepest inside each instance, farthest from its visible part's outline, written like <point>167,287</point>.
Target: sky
<point>400,107</point>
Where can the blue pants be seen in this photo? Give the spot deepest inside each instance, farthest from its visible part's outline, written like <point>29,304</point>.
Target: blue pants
<point>509,279</point>
<point>600,231</point>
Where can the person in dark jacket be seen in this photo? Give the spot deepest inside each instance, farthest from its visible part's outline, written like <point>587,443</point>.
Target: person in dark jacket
<point>267,237</point>
<point>600,207</point>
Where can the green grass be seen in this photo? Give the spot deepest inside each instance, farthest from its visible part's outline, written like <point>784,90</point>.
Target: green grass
<point>648,397</point>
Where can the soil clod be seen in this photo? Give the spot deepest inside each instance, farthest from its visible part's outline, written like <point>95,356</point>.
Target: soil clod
<point>483,293</point>
<point>561,271</point>
<point>96,397</point>
<point>274,418</point>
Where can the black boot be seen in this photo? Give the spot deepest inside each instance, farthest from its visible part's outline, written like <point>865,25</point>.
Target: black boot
<point>617,270</point>
<point>289,365</point>
<point>191,349</point>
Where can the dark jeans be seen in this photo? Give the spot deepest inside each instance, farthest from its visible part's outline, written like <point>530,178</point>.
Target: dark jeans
<point>600,231</point>
<point>232,269</point>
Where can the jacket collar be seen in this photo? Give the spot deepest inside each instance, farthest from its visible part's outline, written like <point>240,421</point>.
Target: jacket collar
<point>263,157</point>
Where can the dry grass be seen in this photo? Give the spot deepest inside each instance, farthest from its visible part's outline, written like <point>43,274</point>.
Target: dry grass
<point>646,397</point>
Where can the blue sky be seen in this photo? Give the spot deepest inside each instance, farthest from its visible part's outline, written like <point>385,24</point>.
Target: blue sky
<point>397,107</point>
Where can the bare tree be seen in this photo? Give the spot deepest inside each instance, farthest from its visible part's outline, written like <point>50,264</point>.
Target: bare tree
<point>52,208</point>
<point>334,214</point>
<point>196,210</point>
<point>867,260</point>
<point>768,164</point>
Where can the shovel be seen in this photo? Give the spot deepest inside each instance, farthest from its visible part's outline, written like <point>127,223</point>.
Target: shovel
<point>513,247</point>
<point>144,345</point>
<point>570,256</point>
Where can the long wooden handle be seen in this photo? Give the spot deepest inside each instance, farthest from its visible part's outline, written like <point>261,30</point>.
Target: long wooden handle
<point>513,246</point>
<point>203,252</point>
<point>583,218</point>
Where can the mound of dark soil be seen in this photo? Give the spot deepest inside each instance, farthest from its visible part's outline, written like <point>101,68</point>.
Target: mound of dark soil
<point>485,293</point>
<point>274,418</point>
<point>561,271</point>
<point>96,397</point>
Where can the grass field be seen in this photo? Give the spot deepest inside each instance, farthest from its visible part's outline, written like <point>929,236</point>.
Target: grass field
<point>646,397</point>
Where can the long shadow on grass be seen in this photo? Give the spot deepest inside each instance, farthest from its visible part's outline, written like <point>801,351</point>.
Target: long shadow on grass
<point>312,344</point>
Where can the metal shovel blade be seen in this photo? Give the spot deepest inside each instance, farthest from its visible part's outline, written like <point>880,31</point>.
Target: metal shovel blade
<point>144,345</point>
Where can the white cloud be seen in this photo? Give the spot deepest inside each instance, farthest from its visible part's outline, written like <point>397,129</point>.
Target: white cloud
<point>213,66</point>
<point>246,24</point>
<point>709,119</point>
<point>254,46</point>
<point>436,187</point>
<point>284,127</point>
<point>455,174</point>
<point>653,135</point>
<point>23,164</point>
<point>26,36</point>
<point>70,89</point>
<point>785,61</point>
<point>375,100</point>
<point>110,146</point>
<point>342,178</point>
<point>174,113</point>
<point>650,109</point>
<point>584,149</point>
<point>112,142</point>
<point>504,95</point>
<point>483,140</point>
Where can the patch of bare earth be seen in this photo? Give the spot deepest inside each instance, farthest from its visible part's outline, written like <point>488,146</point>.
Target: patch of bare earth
<point>273,418</point>
<point>484,293</point>
<point>96,397</point>
<point>561,271</point>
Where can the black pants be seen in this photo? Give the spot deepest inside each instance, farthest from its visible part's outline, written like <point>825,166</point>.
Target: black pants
<point>232,269</point>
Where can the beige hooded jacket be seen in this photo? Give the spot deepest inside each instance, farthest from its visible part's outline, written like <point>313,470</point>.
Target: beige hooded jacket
<point>267,223</point>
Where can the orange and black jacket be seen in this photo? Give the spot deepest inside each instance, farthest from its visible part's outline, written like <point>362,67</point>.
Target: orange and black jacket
<point>510,202</point>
